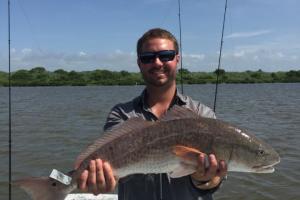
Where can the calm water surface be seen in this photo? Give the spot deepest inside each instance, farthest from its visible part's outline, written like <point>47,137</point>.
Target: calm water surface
<point>51,125</point>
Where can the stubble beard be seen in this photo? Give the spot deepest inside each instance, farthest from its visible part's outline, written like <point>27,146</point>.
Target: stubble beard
<point>167,78</point>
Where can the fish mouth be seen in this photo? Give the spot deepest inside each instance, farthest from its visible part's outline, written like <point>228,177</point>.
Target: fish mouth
<point>265,168</point>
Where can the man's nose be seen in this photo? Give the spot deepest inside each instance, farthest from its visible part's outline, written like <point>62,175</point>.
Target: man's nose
<point>158,62</point>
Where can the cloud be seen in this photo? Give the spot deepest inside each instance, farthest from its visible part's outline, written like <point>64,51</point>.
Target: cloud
<point>268,57</point>
<point>239,53</point>
<point>26,51</point>
<point>248,34</point>
<point>194,56</point>
<point>81,53</point>
<point>80,61</point>
<point>294,57</point>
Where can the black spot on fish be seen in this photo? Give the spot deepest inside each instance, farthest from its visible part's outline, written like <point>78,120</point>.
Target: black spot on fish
<point>53,184</point>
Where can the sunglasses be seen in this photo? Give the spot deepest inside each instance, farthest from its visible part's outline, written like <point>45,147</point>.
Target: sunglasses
<point>150,57</point>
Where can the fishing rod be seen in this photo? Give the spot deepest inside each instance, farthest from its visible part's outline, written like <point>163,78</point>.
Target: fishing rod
<point>9,106</point>
<point>220,55</point>
<point>180,44</point>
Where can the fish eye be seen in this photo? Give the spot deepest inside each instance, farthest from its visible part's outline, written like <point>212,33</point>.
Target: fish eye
<point>260,152</point>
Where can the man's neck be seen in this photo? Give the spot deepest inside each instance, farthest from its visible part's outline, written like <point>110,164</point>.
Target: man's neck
<point>160,98</point>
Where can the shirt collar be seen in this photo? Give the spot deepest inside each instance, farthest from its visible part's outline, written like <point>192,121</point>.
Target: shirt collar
<point>179,99</point>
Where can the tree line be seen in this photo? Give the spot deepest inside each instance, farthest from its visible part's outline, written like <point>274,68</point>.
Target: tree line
<point>39,76</point>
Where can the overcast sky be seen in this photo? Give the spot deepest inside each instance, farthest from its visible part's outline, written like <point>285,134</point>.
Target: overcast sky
<point>86,35</point>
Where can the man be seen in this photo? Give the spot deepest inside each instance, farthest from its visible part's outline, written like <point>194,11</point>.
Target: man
<point>158,57</point>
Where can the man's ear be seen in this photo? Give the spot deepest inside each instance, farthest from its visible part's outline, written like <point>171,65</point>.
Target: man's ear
<point>177,58</point>
<point>138,62</point>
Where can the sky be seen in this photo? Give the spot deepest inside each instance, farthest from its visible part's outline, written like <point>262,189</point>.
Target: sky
<point>85,35</point>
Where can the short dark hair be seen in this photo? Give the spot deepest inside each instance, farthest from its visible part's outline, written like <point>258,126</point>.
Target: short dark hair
<point>156,33</point>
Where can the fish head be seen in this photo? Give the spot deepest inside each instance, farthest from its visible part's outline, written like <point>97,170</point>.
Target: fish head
<point>253,155</point>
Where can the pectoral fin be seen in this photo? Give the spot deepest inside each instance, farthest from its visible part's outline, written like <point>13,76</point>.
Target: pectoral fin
<point>188,161</point>
<point>187,154</point>
<point>182,170</point>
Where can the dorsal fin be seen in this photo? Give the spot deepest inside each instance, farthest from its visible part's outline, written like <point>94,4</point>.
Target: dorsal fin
<point>132,124</point>
<point>178,112</point>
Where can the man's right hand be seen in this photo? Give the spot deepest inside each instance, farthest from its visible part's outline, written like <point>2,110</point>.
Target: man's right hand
<point>98,178</point>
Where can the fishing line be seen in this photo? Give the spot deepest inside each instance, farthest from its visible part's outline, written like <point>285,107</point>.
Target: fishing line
<point>9,106</point>
<point>220,55</point>
<point>180,45</point>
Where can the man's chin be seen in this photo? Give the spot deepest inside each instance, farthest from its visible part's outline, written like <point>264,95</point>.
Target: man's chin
<point>159,82</point>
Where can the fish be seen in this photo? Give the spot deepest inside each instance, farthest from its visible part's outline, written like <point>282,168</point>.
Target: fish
<point>169,145</point>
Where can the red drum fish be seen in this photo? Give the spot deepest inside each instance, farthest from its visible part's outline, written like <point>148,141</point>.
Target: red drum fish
<point>170,145</point>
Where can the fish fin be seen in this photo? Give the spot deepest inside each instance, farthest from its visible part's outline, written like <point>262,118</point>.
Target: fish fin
<point>190,155</point>
<point>43,188</point>
<point>181,170</point>
<point>188,161</point>
<point>178,112</point>
<point>132,124</point>
<point>187,154</point>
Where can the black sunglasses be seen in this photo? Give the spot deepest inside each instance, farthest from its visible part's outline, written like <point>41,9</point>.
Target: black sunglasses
<point>164,56</point>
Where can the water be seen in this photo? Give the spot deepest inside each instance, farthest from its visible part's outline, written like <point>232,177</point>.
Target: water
<point>50,126</point>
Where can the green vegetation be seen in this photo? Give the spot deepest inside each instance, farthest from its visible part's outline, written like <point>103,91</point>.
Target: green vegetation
<point>39,76</point>
<point>239,77</point>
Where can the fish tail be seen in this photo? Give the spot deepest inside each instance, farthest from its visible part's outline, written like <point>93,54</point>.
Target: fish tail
<point>43,188</point>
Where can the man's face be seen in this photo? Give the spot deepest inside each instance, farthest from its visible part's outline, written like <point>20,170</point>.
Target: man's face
<point>157,72</point>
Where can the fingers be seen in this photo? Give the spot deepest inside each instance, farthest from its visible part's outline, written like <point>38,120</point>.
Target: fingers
<point>213,167</point>
<point>82,181</point>
<point>209,167</point>
<point>92,180</point>
<point>222,171</point>
<point>201,169</point>
<point>109,177</point>
<point>98,178</point>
